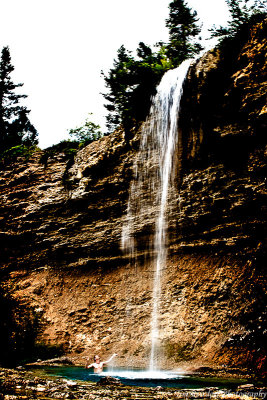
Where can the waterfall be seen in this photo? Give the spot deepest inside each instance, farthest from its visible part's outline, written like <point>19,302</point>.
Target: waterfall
<point>152,187</point>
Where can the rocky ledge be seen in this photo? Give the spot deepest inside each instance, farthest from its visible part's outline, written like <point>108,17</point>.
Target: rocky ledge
<point>19,384</point>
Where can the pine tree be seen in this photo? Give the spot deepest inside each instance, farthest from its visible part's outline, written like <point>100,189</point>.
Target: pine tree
<point>183,28</point>
<point>130,84</point>
<point>132,81</point>
<point>242,15</point>
<point>15,127</point>
<point>118,81</point>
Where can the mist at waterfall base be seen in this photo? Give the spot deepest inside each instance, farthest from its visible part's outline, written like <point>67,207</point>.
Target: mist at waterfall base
<point>152,189</point>
<point>141,378</point>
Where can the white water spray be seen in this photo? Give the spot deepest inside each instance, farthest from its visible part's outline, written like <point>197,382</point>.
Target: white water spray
<point>151,189</point>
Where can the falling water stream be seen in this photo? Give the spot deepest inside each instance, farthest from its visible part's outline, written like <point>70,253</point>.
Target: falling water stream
<point>152,195</point>
<point>152,186</point>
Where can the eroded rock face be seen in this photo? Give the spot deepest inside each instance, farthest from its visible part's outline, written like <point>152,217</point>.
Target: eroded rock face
<point>59,221</point>
<point>61,231</point>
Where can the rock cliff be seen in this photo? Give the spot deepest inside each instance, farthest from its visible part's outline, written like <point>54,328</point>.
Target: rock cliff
<point>61,230</point>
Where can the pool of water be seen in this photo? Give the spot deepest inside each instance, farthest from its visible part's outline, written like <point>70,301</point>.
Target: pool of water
<point>138,377</point>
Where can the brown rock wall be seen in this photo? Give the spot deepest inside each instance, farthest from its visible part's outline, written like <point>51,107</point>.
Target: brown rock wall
<point>61,228</point>
<point>206,300</point>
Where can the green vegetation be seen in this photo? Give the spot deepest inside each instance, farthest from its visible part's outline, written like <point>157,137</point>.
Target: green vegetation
<point>15,126</point>
<point>183,29</point>
<point>131,82</point>
<point>86,133</point>
<point>14,152</point>
<point>80,137</point>
<point>133,79</point>
<point>242,17</point>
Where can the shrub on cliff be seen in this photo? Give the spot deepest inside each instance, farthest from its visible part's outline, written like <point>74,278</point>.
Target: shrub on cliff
<point>80,137</point>
<point>15,126</point>
<point>14,152</point>
<point>86,133</point>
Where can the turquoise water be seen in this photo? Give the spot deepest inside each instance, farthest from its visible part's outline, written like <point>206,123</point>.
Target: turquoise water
<point>138,377</point>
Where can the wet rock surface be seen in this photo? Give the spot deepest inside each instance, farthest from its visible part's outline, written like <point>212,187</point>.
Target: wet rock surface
<point>108,380</point>
<point>18,385</point>
<point>61,233</point>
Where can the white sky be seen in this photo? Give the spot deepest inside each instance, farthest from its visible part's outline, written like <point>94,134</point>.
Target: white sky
<point>59,47</point>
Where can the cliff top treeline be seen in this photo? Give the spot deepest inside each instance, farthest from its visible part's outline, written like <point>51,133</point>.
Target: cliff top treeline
<point>132,80</point>
<point>130,83</point>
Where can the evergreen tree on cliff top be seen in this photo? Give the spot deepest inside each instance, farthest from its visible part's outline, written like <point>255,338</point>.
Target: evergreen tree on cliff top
<point>15,127</point>
<point>118,82</point>
<point>242,16</point>
<point>132,81</point>
<point>130,84</point>
<point>183,29</point>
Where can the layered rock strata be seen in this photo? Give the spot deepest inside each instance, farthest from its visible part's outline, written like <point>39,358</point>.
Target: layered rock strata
<point>61,230</point>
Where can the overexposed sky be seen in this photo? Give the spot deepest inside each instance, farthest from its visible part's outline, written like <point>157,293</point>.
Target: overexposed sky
<point>59,47</point>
